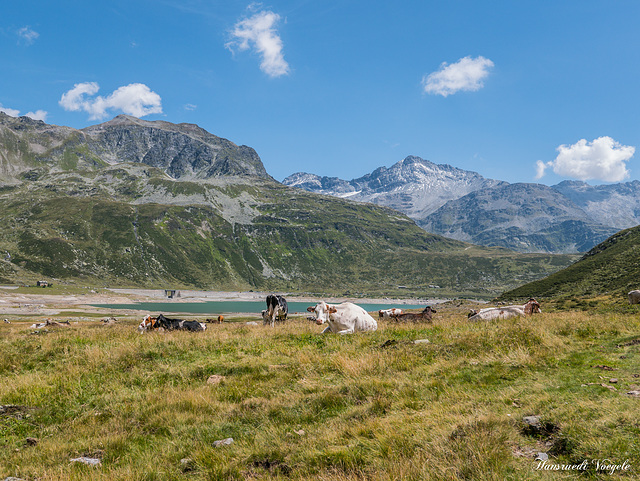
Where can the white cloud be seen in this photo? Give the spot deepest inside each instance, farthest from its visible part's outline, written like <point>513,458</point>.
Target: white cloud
<point>37,115</point>
<point>10,112</point>
<point>466,74</point>
<point>74,99</point>
<point>259,32</point>
<point>134,99</point>
<point>603,159</point>
<point>190,107</point>
<point>540,168</point>
<point>27,35</point>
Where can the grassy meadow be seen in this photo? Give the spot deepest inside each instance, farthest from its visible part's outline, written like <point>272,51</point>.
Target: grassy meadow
<point>300,405</point>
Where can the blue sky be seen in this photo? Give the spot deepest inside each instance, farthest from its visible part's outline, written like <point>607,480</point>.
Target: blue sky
<point>520,91</point>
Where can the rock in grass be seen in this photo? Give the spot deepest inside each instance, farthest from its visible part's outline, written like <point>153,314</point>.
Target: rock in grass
<point>215,379</point>
<point>87,461</point>
<point>223,442</point>
<point>533,426</point>
<point>187,465</point>
<point>533,421</point>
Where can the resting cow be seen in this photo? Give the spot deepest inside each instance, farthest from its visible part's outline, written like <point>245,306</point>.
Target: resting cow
<point>277,309</point>
<point>634,297</point>
<point>387,313</point>
<point>425,315</point>
<point>149,323</point>
<point>345,318</point>
<point>506,312</point>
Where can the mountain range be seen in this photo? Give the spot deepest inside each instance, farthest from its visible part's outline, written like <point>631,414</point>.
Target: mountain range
<point>566,218</point>
<point>138,203</point>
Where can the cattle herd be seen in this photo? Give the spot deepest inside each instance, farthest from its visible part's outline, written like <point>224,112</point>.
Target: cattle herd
<point>347,318</point>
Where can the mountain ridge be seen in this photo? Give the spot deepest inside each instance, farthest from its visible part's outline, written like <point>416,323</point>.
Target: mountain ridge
<point>445,200</point>
<point>182,151</point>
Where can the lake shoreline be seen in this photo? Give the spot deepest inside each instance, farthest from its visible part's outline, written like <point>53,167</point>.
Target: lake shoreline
<point>15,304</point>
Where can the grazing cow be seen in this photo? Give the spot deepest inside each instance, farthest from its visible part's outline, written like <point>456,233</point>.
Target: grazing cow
<point>634,297</point>
<point>386,313</point>
<point>219,320</point>
<point>425,315</point>
<point>277,309</point>
<point>505,312</point>
<point>149,323</point>
<point>345,318</point>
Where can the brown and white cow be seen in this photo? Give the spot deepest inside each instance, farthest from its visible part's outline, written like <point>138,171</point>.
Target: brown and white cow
<point>345,318</point>
<point>425,315</point>
<point>505,312</point>
<point>388,313</point>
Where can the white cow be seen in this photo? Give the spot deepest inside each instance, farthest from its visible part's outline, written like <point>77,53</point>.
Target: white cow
<point>387,313</point>
<point>345,318</point>
<point>505,312</point>
<point>634,297</point>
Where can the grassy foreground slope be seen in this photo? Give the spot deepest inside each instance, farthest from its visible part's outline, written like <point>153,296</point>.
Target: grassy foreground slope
<point>132,226</point>
<point>300,405</point>
<point>612,267</point>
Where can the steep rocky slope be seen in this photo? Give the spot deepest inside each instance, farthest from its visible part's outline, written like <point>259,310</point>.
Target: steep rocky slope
<point>181,151</point>
<point>523,217</point>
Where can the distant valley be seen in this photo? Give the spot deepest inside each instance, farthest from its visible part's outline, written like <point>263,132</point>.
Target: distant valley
<point>566,218</point>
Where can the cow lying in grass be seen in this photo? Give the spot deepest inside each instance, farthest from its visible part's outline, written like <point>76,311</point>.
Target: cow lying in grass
<point>387,313</point>
<point>345,318</point>
<point>425,315</point>
<point>506,312</point>
<point>50,323</point>
<point>149,323</point>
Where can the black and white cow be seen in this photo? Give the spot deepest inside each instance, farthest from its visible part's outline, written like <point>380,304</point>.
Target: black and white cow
<point>149,323</point>
<point>277,309</point>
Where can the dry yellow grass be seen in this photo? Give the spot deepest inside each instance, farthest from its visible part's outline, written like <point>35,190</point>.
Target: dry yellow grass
<point>300,405</point>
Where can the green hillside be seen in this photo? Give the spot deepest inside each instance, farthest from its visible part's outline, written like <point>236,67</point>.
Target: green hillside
<point>147,230</point>
<point>612,267</point>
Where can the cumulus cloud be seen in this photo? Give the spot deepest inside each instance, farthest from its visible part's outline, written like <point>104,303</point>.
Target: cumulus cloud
<point>466,74</point>
<point>603,159</point>
<point>37,115</point>
<point>134,99</point>
<point>27,35</point>
<point>259,33</point>
<point>10,112</point>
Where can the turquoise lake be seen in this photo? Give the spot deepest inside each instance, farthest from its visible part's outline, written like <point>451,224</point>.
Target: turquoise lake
<point>225,307</point>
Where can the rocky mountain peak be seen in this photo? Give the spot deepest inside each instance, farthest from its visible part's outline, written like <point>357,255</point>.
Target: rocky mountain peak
<point>413,185</point>
<point>182,151</point>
